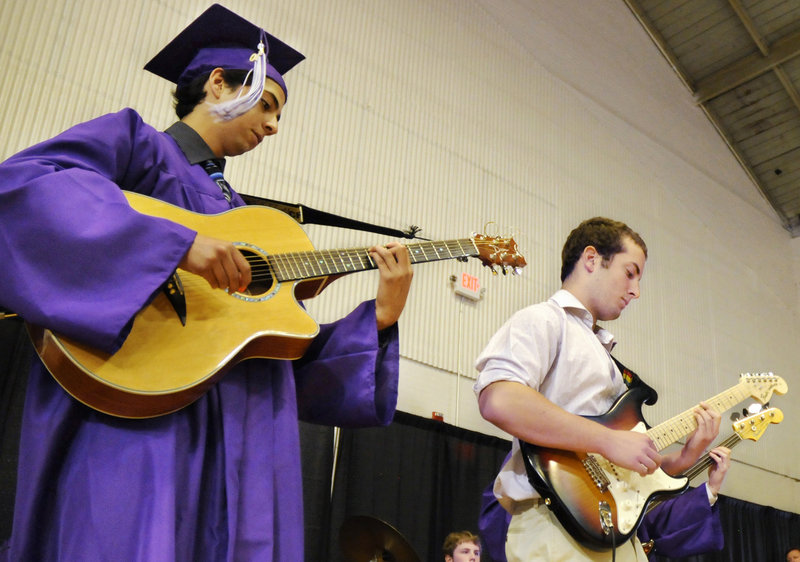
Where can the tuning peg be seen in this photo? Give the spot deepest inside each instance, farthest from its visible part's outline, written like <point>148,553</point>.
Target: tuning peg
<point>517,271</point>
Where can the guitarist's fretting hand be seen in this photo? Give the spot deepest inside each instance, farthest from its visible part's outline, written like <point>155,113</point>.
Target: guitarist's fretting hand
<point>218,262</point>
<point>394,265</point>
<point>708,421</point>
<point>716,474</point>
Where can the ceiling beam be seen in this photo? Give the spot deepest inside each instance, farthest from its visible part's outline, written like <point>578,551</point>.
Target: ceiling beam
<point>747,21</point>
<point>714,119</point>
<point>661,43</point>
<point>788,86</point>
<point>746,69</point>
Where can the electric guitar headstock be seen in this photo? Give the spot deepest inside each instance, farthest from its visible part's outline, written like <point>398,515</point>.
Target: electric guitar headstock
<point>753,427</point>
<point>762,385</point>
<point>498,251</point>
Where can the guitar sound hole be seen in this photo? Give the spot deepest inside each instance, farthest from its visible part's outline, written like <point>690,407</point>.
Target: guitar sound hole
<point>262,279</point>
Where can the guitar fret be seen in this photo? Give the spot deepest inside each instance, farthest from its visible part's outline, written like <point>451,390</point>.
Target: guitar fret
<point>330,261</point>
<point>354,265</point>
<point>297,264</point>
<point>473,249</point>
<point>306,265</point>
<point>285,267</point>
<point>277,269</point>
<point>324,263</point>
<point>366,260</point>
<point>313,264</point>
<point>415,251</point>
<point>446,249</point>
<point>669,432</point>
<point>307,268</point>
<point>336,258</point>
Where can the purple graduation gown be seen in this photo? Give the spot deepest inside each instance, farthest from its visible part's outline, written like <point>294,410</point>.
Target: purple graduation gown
<point>217,480</point>
<point>683,525</point>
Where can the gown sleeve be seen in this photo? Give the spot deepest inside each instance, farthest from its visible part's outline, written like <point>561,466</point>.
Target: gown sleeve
<point>348,377</point>
<point>493,523</point>
<point>75,257</point>
<point>683,526</point>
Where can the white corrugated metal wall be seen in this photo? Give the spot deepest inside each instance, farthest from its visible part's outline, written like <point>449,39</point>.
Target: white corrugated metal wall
<point>431,113</point>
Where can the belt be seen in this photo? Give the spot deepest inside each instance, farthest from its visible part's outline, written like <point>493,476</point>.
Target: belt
<point>525,505</point>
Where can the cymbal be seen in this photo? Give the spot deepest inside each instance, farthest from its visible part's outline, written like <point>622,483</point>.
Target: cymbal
<point>367,539</point>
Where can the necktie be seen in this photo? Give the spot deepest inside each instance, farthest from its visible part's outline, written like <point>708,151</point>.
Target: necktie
<point>215,173</point>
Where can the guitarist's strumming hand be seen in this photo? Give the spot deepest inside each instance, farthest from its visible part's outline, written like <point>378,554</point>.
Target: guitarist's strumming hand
<point>218,262</point>
<point>394,265</point>
<point>632,450</point>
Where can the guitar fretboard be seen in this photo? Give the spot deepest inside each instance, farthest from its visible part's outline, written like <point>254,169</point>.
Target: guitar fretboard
<point>306,265</point>
<point>667,433</point>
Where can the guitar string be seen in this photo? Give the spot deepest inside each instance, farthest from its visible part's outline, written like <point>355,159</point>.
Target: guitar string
<point>699,466</point>
<point>316,263</point>
<point>678,426</point>
<point>291,267</point>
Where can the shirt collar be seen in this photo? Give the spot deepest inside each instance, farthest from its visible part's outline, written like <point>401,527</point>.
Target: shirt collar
<point>192,144</point>
<point>567,300</point>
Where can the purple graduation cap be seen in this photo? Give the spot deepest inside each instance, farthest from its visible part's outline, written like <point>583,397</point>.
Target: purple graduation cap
<point>221,38</point>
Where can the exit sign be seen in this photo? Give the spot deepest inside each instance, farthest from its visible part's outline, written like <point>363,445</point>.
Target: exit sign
<point>468,286</point>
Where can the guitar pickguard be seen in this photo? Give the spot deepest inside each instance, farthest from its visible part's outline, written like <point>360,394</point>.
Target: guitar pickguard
<point>631,491</point>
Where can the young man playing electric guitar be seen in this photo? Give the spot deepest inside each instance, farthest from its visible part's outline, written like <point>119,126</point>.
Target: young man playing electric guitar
<point>550,365</point>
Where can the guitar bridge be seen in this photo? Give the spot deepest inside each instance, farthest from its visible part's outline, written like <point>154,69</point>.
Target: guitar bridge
<point>596,473</point>
<point>173,289</point>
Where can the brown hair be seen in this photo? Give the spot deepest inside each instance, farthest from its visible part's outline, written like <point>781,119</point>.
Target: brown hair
<point>606,235</point>
<point>456,538</point>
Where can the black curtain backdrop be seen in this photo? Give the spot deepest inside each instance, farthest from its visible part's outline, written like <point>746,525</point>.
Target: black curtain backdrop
<point>16,354</point>
<point>422,476</point>
<point>753,533</point>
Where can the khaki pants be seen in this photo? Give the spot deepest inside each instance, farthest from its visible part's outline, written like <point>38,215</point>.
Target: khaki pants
<point>535,534</point>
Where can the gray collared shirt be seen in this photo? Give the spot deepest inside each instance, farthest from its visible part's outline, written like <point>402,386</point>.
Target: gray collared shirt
<point>193,145</point>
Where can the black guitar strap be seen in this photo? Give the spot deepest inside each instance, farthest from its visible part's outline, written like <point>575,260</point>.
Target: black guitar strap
<point>306,215</point>
<point>632,380</point>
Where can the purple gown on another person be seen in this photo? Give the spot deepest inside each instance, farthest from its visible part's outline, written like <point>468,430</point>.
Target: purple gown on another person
<point>217,480</point>
<point>682,525</point>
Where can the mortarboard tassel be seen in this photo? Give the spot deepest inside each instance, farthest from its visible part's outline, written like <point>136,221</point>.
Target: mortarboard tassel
<point>242,103</point>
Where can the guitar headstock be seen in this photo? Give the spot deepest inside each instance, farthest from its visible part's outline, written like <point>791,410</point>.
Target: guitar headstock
<point>762,385</point>
<point>753,427</point>
<point>497,251</point>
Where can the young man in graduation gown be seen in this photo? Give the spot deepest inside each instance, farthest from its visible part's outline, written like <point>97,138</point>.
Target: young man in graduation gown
<point>219,479</point>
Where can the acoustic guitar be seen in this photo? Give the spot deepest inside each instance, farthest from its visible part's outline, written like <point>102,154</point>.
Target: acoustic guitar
<point>191,334</point>
<point>601,504</point>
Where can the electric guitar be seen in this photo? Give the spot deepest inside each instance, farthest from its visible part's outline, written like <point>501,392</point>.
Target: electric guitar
<point>179,347</point>
<point>601,504</point>
<point>752,427</point>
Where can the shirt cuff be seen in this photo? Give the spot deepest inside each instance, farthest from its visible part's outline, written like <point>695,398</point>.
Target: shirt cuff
<point>712,497</point>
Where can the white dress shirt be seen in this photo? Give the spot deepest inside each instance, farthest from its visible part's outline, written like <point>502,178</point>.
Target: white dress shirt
<point>552,348</point>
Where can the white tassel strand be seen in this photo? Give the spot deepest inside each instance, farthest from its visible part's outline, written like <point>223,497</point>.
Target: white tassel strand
<point>241,104</point>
